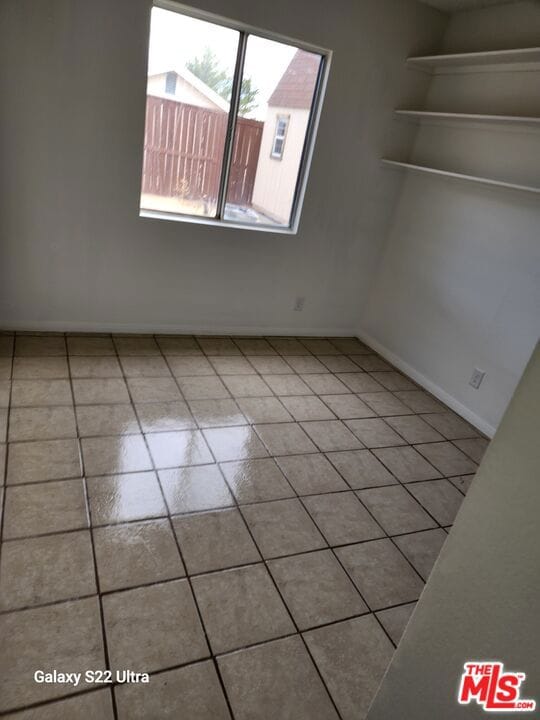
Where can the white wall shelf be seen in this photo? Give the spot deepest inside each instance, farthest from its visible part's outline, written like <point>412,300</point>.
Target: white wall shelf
<point>460,176</point>
<point>490,57</point>
<point>471,117</point>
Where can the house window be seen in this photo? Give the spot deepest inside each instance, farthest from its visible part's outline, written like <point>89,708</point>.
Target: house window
<point>236,96</point>
<point>170,83</point>
<point>282,123</point>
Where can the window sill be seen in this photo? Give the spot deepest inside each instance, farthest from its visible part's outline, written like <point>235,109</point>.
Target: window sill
<point>198,220</point>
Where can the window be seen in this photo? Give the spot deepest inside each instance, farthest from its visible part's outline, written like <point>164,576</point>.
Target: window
<point>282,123</point>
<point>223,104</point>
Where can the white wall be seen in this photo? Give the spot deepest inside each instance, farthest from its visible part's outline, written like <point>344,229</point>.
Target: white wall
<point>275,181</point>
<point>459,284</point>
<point>74,252</point>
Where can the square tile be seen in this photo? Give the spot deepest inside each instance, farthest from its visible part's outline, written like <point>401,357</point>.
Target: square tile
<point>394,620</point>
<point>392,380</point>
<point>158,416</point>
<point>413,429</point>
<point>64,635</point>
<point>44,508</point>
<point>31,393</point>
<point>422,549</point>
<point>144,367</point>
<point>42,423</point>
<point>138,553</point>
<point>440,498</point>
<point>307,407</point>
<point>217,413</point>
<point>174,449</point>
<point>3,423</point>
<point>306,364</point>
<point>275,680</point>
<point>381,573</point>
<point>214,541</point>
<point>395,509</point>
<point>246,386</point>
<point>175,345</point>
<point>5,368</point>
<point>331,435</point>
<point>90,345</point>
<point>234,365</point>
<point>153,627</point>
<point>190,366</point>
<point>473,447</point>
<point>121,498</point>
<point>419,401</point>
<point>40,368</point>
<point>451,426</point>
<point>320,346</point>
<point>447,458</point>
<point>342,518</point>
<point>41,345</point>
<point>94,367</point>
<point>264,410</point>
<point>288,346</point>
<point>43,460</point>
<point>310,474</point>
<point>270,365</point>
<point>115,454</point>
<point>155,389</point>
<point>46,569</point>
<point>316,589</point>
<point>370,362</point>
<point>360,382</point>
<point>247,593</point>
<point>352,657</point>
<point>462,482</point>
<point>135,345</point>
<point>385,403</point>
<point>234,443</point>
<point>287,384</point>
<point>218,346</point>
<point>325,384</point>
<point>374,432</point>
<point>347,406</point>
<point>361,469</point>
<point>282,527</point>
<point>192,692</point>
<point>338,363</point>
<point>106,420</point>
<point>350,346</point>
<point>5,389</point>
<point>406,464</point>
<point>254,346</point>
<point>208,387</point>
<point>193,489</point>
<point>102,391</point>
<point>256,480</point>
<point>7,342</point>
<point>91,706</point>
<point>285,439</point>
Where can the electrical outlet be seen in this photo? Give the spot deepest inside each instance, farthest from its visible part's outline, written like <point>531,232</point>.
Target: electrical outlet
<point>476,378</point>
<point>299,304</point>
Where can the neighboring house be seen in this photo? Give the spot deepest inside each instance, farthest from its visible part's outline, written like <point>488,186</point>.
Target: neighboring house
<point>183,86</point>
<point>283,137</point>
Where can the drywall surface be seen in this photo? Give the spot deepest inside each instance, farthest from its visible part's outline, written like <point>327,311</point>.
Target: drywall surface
<point>481,600</point>
<point>76,255</point>
<point>459,283</point>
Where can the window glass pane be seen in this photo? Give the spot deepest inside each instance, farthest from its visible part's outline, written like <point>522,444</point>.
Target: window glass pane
<point>278,86</point>
<point>190,70</point>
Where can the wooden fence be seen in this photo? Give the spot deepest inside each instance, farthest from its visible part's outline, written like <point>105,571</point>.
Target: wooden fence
<point>183,151</point>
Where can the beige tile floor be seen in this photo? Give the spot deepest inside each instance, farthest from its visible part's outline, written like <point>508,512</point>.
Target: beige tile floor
<point>249,520</point>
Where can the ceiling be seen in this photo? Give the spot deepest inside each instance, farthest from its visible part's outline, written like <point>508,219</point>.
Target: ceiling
<point>454,5</point>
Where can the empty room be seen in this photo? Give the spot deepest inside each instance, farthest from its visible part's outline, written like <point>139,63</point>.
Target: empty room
<point>269,362</point>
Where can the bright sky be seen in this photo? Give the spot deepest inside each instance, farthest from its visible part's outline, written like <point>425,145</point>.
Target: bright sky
<point>175,39</point>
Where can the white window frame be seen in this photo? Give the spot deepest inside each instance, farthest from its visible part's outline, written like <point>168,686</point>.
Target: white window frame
<point>245,31</point>
<point>278,154</point>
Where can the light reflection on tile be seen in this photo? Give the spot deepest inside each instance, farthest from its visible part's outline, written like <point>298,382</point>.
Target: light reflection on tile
<point>119,498</point>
